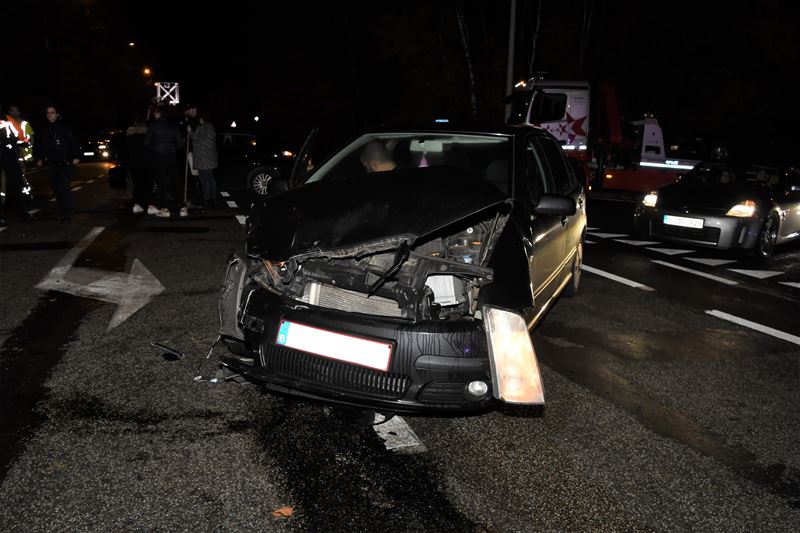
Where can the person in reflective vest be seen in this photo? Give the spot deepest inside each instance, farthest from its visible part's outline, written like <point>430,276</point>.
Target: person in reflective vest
<point>24,134</point>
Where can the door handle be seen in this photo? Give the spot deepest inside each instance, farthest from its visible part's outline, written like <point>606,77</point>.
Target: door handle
<point>580,202</point>
<point>564,221</point>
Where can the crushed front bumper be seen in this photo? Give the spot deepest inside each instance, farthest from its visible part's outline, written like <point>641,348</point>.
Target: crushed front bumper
<point>431,365</point>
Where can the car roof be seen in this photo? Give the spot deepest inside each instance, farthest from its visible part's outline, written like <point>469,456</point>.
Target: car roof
<point>458,127</point>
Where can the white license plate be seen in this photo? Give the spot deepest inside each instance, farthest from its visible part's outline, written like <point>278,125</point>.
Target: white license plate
<point>683,222</point>
<point>346,348</point>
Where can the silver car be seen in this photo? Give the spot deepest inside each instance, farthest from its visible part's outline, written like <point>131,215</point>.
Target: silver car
<point>726,206</point>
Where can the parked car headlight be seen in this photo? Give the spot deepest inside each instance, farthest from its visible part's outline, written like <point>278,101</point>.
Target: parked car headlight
<point>515,370</point>
<point>742,209</point>
<point>650,199</point>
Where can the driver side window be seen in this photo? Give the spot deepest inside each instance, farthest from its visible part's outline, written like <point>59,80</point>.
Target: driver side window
<point>539,181</point>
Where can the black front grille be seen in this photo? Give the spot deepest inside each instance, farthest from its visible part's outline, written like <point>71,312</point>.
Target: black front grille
<point>443,392</point>
<point>292,364</point>
<point>710,235</point>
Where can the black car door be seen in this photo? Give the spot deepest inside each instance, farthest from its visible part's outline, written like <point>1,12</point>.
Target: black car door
<point>546,248</point>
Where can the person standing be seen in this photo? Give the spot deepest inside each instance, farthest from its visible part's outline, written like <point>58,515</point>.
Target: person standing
<point>26,130</point>
<point>59,148</point>
<point>204,143</point>
<point>164,139</point>
<point>12,171</point>
<point>140,173</point>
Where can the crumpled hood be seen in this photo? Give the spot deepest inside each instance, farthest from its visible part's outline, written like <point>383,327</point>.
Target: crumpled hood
<point>367,208</point>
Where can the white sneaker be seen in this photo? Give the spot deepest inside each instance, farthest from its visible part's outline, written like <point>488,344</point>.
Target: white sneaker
<point>137,209</point>
<point>152,210</point>
<point>184,212</point>
<point>164,213</point>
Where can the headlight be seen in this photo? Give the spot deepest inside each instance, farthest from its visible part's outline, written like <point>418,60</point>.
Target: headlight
<point>105,154</point>
<point>515,370</point>
<point>742,209</point>
<point>650,199</point>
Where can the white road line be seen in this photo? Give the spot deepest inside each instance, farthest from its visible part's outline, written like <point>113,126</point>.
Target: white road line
<point>242,219</point>
<point>592,229</point>
<point>614,277</point>
<point>758,327</point>
<point>224,194</point>
<point>34,211</point>
<point>76,188</point>
<point>670,251</point>
<point>101,176</point>
<point>711,262</point>
<point>587,241</point>
<point>398,435</point>
<point>607,235</point>
<point>696,272</point>
<point>790,284</point>
<point>636,243</point>
<point>232,204</point>
<point>52,199</point>
<point>2,229</point>
<point>760,274</point>
<point>89,181</point>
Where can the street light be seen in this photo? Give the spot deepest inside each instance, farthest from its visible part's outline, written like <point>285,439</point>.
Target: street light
<point>131,44</point>
<point>146,71</point>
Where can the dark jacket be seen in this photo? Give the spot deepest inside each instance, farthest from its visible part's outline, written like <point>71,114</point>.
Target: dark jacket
<point>137,153</point>
<point>57,144</point>
<point>163,137</point>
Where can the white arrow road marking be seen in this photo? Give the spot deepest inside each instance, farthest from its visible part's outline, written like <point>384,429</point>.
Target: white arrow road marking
<point>607,235</point>
<point>636,243</point>
<point>398,435</point>
<point>760,274</point>
<point>232,204</point>
<point>789,283</point>
<point>242,219</point>
<point>696,273</point>
<point>224,194</point>
<point>614,277</point>
<point>758,327</point>
<point>670,251</point>
<point>130,291</point>
<point>711,262</point>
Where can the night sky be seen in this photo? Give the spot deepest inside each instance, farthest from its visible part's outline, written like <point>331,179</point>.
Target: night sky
<point>728,74</point>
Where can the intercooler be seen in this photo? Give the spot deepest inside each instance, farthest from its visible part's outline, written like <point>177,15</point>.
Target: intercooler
<point>351,301</point>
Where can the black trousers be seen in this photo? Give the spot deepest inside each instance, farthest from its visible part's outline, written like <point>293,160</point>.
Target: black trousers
<point>60,177</point>
<point>9,164</point>
<point>142,185</point>
<point>165,172</point>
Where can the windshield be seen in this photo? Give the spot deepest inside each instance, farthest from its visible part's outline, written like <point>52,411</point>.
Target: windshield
<point>727,175</point>
<point>485,156</point>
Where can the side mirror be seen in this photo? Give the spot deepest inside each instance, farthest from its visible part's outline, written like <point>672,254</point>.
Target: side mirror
<point>551,204</point>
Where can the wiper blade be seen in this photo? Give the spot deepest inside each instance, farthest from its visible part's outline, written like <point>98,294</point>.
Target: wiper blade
<point>399,258</point>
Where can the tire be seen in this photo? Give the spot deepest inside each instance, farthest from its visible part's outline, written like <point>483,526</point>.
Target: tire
<point>572,287</point>
<point>258,181</point>
<point>766,239</point>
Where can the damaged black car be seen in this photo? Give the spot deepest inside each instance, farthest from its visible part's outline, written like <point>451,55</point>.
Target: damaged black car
<point>405,272</point>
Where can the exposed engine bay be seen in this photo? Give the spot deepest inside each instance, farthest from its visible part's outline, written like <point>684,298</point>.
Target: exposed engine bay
<point>438,278</point>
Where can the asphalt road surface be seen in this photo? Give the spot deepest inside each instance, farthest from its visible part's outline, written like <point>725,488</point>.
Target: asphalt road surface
<point>671,383</point>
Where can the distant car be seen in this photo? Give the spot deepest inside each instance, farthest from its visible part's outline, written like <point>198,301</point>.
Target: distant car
<point>725,206</point>
<point>412,284</point>
<point>107,147</point>
<point>251,161</point>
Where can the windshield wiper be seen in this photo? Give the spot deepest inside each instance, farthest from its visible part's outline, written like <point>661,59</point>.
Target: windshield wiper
<point>399,258</point>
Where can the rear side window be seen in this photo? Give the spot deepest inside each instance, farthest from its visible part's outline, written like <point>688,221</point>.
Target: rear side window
<point>562,176</point>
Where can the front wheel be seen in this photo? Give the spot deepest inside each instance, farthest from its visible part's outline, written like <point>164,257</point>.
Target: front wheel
<point>767,238</point>
<point>259,179</point>
<point>572,287</point>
